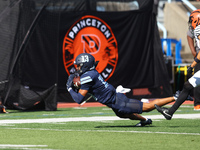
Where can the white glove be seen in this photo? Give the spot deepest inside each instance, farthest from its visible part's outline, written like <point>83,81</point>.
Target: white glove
<point>197,35</point>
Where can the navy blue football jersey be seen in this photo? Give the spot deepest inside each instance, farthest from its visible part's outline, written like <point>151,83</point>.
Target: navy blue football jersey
<point>101,90</point>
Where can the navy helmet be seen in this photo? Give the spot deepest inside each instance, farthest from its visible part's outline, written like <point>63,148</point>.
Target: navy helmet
<point>85,61</point>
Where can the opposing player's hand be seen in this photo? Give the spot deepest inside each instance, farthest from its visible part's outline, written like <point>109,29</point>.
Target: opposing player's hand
<point>70,82</point>
<point>189,70</point>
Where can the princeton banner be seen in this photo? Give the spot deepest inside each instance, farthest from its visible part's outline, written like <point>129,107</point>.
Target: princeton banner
<point>124,40</point>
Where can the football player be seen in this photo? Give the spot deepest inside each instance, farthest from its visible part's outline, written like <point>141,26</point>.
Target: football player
<point>104,93</point>
<point>189,85</point>
<point>194,20</point>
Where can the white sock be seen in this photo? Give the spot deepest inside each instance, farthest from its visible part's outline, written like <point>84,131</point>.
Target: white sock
<point>146,119</point>
<point>175,98</point>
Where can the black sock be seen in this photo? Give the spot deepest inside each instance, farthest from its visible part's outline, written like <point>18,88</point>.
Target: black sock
<point>182,97</point>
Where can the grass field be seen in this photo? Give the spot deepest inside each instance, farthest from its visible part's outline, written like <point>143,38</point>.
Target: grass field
<point>97,128</point>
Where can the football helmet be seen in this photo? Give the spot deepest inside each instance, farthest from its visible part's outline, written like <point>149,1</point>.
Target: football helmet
<point>84,62</point>
<point>194,19</point>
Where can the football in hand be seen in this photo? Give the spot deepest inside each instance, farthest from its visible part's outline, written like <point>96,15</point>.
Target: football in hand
<point>77,82</point>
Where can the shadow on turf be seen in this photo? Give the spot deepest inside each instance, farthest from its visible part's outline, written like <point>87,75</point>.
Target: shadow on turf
<point>128,126</point>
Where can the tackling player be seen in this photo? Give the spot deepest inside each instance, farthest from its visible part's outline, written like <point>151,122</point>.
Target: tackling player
<point>103,92</point>
<point>192,22</point>
<point>192,82</point>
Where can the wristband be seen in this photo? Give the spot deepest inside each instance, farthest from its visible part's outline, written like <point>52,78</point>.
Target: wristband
<point>196,59</point>
<point>69,89</point>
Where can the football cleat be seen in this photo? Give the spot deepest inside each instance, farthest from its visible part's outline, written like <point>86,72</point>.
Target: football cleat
<point>197,107</point>
<point>164,111</point>
<point>189,98</point>
<point>144,123</point>
<point>3,109</point>
<point>176,95</point>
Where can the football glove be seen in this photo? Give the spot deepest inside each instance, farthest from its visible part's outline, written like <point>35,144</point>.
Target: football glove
<point>189,70</point>
<point>70,82</point>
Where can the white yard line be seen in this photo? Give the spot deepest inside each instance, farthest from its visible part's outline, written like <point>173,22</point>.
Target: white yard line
<point>103,118</point>
<point>14,145</point>
<point>111,131</point>
<point>26,147</point>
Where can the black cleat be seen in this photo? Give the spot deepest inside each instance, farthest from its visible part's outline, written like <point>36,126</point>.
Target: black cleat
<point>144,123</point>
<point>189,98</point>
<point>164,111</point>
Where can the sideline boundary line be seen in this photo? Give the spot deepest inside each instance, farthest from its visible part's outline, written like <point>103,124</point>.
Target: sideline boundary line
<point>96,104</point>
<point>97,118</point>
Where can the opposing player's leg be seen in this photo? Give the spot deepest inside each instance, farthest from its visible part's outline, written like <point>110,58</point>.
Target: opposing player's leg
<point>188,86</point>
<point>197,91</point>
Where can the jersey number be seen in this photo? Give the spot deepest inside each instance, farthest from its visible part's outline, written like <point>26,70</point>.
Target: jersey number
<point>85,58</point>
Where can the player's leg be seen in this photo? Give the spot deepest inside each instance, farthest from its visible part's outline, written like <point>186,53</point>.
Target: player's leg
<point>130,109</point>
<point>197,91</point>
<point>197,98</point>
<point>134,116</point>
<point>163,101</point>
<point>128,115</point>
<point>193,82</point>
<point>183,96</point>
<point>144,121</point>
<point>168,112</point>
<point>160,102</point>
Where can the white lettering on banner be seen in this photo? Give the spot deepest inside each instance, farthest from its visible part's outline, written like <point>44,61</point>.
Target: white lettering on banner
<point>75,29</point>
<point>98,24</point>
<point>90,34</point>
<point>108,70</point>
<point>103,28</point>
<point>71,35</point>
<point>82,22</point>
<point>104,75</point>
<point>89,23</point>
<point>93,22</point>
<point>78,25</point>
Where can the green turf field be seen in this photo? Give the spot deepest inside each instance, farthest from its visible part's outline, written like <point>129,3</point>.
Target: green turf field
<point>66,129</point>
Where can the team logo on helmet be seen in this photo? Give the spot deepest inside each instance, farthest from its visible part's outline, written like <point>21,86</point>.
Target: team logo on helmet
<point>194,19</point>
<point>91,35</point>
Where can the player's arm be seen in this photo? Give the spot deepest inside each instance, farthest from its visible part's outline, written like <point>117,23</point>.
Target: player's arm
<point>191,45</point>
<point>197,58</point>
<point>78,97</point>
